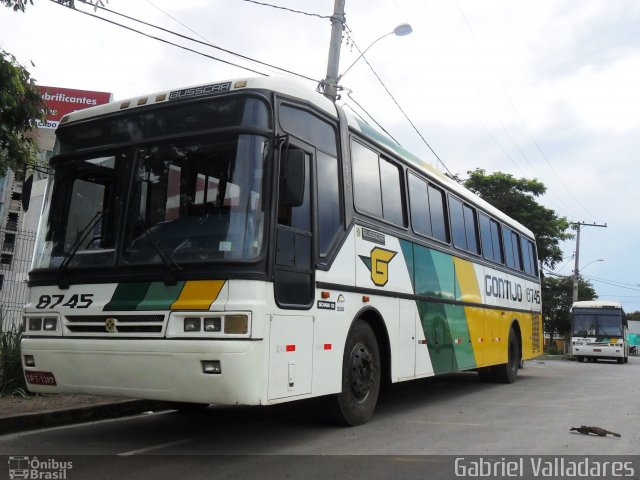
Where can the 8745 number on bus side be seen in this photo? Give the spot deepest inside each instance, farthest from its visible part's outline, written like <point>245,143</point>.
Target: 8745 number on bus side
<point>83,300</point>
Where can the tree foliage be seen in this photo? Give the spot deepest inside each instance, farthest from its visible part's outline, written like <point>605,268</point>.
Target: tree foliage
<point>20,105</point>
<point>517,198</point>
<point>20,5</point>
<point>633,315</point>
<point>557,298</point>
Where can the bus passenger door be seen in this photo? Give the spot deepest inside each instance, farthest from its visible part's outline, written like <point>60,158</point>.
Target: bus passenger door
<point>293,282</point>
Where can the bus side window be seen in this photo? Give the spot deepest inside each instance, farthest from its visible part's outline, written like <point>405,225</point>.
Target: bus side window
<point>329,204</point>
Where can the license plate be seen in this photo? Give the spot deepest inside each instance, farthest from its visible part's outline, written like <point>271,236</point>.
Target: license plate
<point>597,350</point>
<point>40,378</point>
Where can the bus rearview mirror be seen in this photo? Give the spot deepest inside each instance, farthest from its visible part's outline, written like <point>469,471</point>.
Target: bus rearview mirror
<point>292,178</point>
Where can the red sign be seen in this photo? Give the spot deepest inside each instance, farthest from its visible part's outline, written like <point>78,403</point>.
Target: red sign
<point>66,100</point>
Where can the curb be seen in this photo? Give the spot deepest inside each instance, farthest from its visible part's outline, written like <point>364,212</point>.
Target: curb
<point>56,418</point>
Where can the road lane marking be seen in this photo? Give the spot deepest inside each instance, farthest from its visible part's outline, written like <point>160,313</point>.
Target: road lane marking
<point>153,447</point>
<point>425,422</point>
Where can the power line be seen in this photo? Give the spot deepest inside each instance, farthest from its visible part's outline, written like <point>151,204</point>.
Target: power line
<point>349,92</point>
<point>176,20</point>
<point>535,142</point>
<point>209,42</point>
<point>326,17</point>
<point>205,43</point>
<point>159,38</point>
<point>400,108</point>
<point>513,106</point>
<point>615,283</point>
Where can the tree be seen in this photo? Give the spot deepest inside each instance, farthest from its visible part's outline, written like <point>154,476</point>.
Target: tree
<point>517,198</point>
<point>20,101</point>
<point>633,315</point>
<point>557,298</point>
<point>20,105</point>
<point>20,5</point>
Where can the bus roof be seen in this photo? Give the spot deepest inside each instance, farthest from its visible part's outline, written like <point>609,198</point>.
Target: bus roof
<point>298,90</point>
<point>597,304</point>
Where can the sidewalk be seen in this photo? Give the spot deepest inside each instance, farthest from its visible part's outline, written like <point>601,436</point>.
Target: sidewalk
<point>19,414</point>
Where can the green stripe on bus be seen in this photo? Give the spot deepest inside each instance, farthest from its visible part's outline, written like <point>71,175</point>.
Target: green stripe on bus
<point>127,296</point>
<point>434,273</point>
<point>445,326</point>
<point>160,296</point>
<point>433,317</point>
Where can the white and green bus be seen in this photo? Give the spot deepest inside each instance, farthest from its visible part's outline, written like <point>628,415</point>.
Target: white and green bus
<point>599,330</point>
<point>248,242</point>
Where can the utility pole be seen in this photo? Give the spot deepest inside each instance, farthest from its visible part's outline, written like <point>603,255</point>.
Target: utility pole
<point>330,83</point>
<point>576,271</point>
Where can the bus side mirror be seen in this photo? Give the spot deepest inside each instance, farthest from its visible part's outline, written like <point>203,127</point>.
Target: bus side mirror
<point>292,178</point>
<point>26,192</point>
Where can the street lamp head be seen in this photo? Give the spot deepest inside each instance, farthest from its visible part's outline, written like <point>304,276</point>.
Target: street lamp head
<point>402,30</point>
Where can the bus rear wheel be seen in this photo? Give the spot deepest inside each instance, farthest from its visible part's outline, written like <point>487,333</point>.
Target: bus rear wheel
<point>360,376</point>
<point>507,372</point>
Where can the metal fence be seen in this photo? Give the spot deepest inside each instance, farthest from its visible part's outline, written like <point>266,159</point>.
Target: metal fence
<point>15,262</point>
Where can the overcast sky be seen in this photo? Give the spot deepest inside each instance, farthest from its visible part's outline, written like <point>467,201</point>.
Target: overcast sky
<point>543,89</point>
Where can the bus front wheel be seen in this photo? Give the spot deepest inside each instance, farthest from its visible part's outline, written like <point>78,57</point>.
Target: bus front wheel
<point>580,358</point>
<point>360,376</point>
<point>507,372</point>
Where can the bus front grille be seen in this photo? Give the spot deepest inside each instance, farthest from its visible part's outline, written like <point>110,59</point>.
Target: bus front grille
<point>110,326</point>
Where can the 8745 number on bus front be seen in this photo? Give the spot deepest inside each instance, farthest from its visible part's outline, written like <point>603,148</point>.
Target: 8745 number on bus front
<point>82,300</point>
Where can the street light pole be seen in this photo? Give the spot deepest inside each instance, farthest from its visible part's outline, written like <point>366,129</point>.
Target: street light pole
<point>330,83</point>
<point>329,86</point>
<point>576,268</point>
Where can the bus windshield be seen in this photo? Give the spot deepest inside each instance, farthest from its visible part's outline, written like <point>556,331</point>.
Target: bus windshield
<point>597,323</point>
<point>160,198</point>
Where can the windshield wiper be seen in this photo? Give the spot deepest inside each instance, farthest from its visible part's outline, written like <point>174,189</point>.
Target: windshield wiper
<point>63,282</point>
<point>167,260</point>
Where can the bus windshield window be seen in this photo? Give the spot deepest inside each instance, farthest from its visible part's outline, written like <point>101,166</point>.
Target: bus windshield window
<point>157,187</point>
<point>82,211</point>
<point>198,201</point>
<point>595,324</point>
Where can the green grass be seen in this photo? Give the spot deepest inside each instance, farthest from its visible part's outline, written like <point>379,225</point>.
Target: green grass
<point>11,376</point>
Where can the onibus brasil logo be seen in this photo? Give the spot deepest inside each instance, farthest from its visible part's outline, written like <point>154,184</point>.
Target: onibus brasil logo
<point>33,468</point>
<point>378,265</point>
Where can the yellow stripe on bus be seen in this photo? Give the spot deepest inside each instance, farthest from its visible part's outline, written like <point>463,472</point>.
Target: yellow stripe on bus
<point>470,292</point>
<point>198,295</point>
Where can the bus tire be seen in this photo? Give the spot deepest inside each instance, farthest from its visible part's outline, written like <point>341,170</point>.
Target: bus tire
<point>360,376</point>
<point>620,360</point>
<point>580,358</point>
<point>507,372</point>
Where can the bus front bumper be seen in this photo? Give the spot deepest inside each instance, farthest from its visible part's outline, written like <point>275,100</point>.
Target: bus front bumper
<point>170,370</point>
<point>600,351</point>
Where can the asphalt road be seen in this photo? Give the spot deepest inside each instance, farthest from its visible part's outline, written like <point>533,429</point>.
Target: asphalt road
<point>453,415</point>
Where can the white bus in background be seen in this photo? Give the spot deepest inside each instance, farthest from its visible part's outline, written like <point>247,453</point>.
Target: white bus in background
<point>599,330</point>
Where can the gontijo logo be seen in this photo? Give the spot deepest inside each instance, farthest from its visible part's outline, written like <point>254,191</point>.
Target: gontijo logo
<point>378,265</point>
